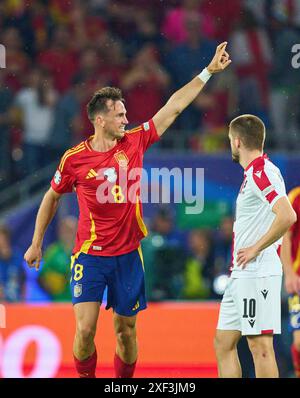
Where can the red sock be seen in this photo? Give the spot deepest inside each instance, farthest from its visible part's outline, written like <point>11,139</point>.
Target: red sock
<point>87,367</point>
<point>122,369</point>
<point>296,360</point>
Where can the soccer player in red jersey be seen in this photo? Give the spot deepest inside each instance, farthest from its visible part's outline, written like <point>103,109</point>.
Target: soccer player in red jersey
<point>290,257</point>
<point>107,249</point>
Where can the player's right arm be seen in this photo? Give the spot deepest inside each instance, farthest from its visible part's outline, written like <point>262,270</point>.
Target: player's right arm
<point>62,182</point>
<point>45,214</point>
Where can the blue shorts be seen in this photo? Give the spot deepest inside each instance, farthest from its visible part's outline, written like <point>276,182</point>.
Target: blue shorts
<point>123,275</point>
<point>294,310</point>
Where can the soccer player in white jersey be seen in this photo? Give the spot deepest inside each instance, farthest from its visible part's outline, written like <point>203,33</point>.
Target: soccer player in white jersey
<point>251,303</point>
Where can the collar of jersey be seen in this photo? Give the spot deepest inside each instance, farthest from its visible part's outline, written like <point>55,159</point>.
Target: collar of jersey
<point>87,143</point>
<point>256,161</point>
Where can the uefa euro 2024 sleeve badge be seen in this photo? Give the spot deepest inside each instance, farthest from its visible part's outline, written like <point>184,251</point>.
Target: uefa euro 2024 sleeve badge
<point>57,177</point>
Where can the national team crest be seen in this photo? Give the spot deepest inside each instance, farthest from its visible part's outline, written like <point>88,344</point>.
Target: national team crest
<point>77,290</point>
<point>122,159</point>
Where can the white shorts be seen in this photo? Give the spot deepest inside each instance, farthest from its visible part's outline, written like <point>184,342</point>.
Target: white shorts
<point>252,306</point>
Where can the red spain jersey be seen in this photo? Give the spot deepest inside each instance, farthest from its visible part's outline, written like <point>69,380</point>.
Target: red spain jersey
<point>294,197</point>
<point>107,185</point>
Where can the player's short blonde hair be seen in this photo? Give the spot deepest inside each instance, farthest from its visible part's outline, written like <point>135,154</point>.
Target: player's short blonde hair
<point>250,129</point>
<point>98,103</point>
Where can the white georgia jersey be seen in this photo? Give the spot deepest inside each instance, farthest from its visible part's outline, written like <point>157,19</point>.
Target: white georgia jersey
<point>263,185</point>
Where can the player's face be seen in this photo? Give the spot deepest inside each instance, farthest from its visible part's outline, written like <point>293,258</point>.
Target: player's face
<point>115,120</point>
<point>234,148</point>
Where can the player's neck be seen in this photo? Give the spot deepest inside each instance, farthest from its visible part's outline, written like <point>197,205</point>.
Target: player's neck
<point>247,157</point>
<point>100,143</point>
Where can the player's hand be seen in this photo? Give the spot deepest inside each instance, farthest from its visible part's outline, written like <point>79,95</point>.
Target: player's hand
<point>33,257</point>
<point>244,256</point>
<point>220,60</point>
<point>292,283</point>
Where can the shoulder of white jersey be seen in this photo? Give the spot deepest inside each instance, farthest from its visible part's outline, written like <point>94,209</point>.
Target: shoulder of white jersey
<point>70,153</point>
<point>259,173</point>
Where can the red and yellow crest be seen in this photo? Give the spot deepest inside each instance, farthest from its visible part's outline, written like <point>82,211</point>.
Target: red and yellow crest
<point>122,159</point>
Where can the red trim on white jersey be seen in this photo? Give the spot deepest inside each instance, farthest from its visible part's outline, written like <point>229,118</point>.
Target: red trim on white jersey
<point>269,331</point>
<point>260,177</point>
<point>256,161</point>
<point>271,196</point>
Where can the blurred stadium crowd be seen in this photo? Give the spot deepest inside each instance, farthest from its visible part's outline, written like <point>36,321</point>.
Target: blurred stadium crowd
<point>58,52</point>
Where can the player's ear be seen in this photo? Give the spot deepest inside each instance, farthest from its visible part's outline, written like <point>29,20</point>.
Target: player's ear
<point>237,142</point>
<point>99,121</point>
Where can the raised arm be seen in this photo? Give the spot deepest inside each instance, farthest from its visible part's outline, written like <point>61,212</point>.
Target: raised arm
<point>184,96</point>
<point>45,214</point>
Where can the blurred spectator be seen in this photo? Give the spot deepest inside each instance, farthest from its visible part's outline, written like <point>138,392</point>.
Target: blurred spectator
<point>12,277</point>
<point>259,8</point>
<point>250,50</point>
<point>218,12</point>
<point>60,59</point>
<point>55,273</point>
<point>287,12</point>
<point>16,60</point>
<point>36,104</point>
<point>67,128</point>
<point>285,93</point>
<point>175,26</point>
<point>86,28</point>
<point>218,105</point>
<point>6,98</point>
<point>112,60</point>
<point>145,83</point>
<point>196,53</point>
<point>89,66</point>
<point>164,257</point>
<point>92,79</point>
<point>198,266</point>
<point>146,32</point>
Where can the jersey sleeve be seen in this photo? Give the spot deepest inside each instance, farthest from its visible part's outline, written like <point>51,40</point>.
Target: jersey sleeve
<point>147,134</point>
<point>64,179</point>
<point>268,185</point>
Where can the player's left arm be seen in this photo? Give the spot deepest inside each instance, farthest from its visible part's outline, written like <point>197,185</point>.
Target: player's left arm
<point>285,217</point>
<point>184,96</point>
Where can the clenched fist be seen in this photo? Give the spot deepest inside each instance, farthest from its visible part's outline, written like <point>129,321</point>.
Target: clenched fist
<point>33,256</point>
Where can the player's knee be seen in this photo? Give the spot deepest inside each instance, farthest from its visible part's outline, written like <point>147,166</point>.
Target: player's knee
<point>85,332</point>
<point>126,334</point>
<point>260,349</point>
<point>221,345</point>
